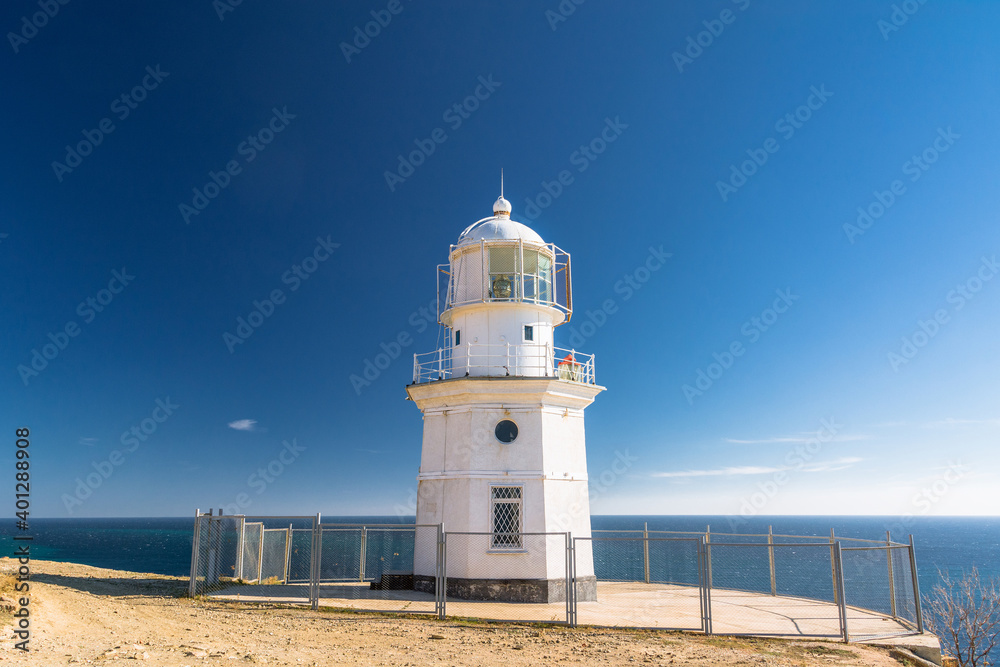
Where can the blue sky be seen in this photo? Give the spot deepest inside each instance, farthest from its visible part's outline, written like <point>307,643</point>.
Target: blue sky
<point>793,355</point>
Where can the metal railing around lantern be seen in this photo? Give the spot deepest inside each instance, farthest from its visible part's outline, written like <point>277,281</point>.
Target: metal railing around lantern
<point>503,360</point>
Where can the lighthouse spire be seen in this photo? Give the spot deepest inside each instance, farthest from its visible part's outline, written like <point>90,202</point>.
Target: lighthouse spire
<point>501,208</point>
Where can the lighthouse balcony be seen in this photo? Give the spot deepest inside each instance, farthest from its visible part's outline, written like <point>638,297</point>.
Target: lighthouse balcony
<point>503,360</point>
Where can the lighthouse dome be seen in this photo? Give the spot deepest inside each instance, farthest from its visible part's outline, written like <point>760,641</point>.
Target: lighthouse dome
<point>497,228</point>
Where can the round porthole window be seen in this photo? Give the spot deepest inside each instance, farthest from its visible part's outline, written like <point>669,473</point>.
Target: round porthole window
<point>506,431</point>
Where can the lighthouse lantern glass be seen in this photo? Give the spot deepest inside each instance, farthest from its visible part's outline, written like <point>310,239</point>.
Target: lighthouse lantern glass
<point>507,267</point>
<point>504,269</point>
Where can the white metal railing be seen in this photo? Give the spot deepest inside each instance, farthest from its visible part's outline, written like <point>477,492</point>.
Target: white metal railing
<point>499,360</point>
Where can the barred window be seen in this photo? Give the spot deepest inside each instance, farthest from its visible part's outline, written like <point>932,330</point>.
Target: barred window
<point>506,513</point>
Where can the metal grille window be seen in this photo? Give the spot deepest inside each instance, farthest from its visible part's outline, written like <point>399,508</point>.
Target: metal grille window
<point>506,513</point>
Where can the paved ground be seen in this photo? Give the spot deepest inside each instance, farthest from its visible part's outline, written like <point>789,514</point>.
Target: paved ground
<point>617,604</point>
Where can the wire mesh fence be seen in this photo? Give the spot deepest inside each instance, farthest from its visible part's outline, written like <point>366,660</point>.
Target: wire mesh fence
<point>387,568</point>
<point>774,588</point>
<point>253,559</point>
<point>644,581</point>
<point>762,584</point>
<point>508,576</point>
<point>880,579</point>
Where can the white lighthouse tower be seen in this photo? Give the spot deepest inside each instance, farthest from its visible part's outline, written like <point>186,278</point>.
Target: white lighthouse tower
<point>504,455</point>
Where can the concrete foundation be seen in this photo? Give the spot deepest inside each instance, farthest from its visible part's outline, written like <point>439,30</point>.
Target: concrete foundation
<point>511,590</point>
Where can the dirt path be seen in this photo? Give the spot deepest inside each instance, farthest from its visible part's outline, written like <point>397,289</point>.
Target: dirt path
<point>89,615</point>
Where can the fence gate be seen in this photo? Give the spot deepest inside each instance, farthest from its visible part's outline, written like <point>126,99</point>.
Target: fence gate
<point>881,579</point>
<point>253,558</point>
<point>643,581</point>
<point>508,576</point>
<point>386,568</point>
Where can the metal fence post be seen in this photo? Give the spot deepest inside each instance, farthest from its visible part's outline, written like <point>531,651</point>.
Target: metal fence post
<point>842,604</point>
<point>288,552</point>
<point>833,569</point>
<point>239,549</point>
<point>645,550</point>
<point>439,578</point>
<point>708,554</point>
<point>916,588</point>
<point>892,579</point>
<point>704,587</point>
<point>568,577</point>
<point>364,550</point>
<point>195,553</point>
<point>314,564</point>
<point>570,580</point>
<point>210,572</point>
<point>444,573</point>
<point>260,555</point>
<point>770,557</point>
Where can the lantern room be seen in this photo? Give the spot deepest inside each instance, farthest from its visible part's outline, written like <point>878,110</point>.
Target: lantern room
<point>500,297</point>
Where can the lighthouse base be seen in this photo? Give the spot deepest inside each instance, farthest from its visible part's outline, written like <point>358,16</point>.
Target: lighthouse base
<point>511,590</point>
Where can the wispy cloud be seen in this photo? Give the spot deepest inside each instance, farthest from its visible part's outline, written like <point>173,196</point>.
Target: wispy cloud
<point>830,466</point>
<point>951,422</point>
<point>947,422</point>
<point>820,466</point>
<point>796,439</point>
<point>734,470</point>
<point>369,451</point>
<point>90,442</point>
<point>244,425</point>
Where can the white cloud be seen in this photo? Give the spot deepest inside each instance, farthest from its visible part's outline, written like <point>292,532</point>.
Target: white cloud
<point>831,466</point>
<point>939,423</point>
<point>735,470</point>
<point>797,439</point>
<point>90,442</point>
<point>820,466</point>
<point>950,421</point>
<point>244,425</point>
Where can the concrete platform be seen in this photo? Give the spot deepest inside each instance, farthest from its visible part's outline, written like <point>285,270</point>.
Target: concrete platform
<point>618,604</point>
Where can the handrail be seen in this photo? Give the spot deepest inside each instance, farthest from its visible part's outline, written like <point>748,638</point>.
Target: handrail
<point>821,538</point>
<point>505,359</point>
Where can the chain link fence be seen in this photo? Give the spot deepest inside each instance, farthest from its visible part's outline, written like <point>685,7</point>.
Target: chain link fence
<point>509,576</point>
<point>645,581</point>
<point>253,559</point>
<point>722,583</point>
<point>881,578</point>
<point>387,568</point>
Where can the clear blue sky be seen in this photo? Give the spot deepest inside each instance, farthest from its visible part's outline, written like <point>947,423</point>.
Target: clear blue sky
<point>746,158</point>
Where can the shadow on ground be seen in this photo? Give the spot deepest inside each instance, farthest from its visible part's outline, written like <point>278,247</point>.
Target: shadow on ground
<point>124,586</point>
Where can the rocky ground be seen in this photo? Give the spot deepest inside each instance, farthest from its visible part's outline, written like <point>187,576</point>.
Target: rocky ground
<point>89,615</point>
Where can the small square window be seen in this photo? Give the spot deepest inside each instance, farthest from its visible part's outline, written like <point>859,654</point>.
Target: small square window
<point>529,332</point>
<point>458,338</point>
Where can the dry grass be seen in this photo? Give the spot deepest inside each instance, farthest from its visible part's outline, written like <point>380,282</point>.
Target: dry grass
<point>8,597</point>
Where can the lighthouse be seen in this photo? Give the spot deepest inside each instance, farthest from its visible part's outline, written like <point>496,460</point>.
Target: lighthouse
<point>503,466</point>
